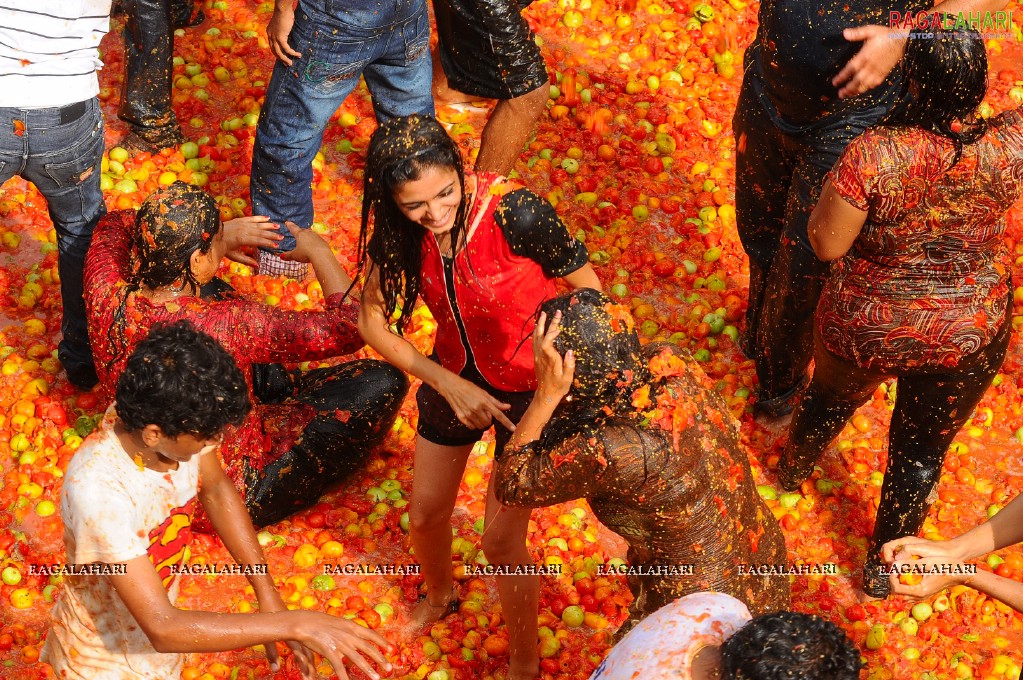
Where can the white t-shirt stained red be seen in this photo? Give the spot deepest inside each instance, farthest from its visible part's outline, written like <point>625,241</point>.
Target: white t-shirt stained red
<point>115,510</point>
<point>663,645</point>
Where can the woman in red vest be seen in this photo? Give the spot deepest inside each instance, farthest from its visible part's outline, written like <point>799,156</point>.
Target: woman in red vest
<point>483,253</point>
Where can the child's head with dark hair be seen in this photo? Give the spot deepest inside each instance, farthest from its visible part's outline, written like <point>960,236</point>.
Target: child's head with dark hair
<point>944,80</point>
<point>401,151</point>
<point>789,646</point>
<point>172,224</point>
<point>182,381</point>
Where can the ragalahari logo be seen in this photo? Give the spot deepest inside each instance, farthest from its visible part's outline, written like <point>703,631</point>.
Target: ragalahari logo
<point>991,25</point>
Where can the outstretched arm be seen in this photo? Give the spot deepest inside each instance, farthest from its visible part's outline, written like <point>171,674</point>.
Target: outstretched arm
<point>227,513</point>
<point>1002,530</point>
<point>170,629</point>
<point>883,47</point>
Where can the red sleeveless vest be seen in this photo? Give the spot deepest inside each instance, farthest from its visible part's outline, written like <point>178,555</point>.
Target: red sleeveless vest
<point>497,291</point>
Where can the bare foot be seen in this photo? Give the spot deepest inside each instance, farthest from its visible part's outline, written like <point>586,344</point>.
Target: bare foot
<point>426,614</point>
<point>864,598</point>
<point>773,424</point>
<point>446,96</point>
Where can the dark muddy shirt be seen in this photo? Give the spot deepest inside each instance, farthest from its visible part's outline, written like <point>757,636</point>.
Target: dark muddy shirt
<point>799,48</point>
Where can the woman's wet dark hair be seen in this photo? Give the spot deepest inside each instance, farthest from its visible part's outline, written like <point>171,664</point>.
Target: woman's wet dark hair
<point>609,362</point>
<point>944,80</point>
<point>171,224</point>
<point>400,150</point>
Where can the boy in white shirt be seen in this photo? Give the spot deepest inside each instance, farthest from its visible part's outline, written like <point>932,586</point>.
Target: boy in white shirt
<point>127,501</point>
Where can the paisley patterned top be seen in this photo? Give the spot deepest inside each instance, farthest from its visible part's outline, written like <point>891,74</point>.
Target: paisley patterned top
<point>672,479</point>
<point>927,280</point>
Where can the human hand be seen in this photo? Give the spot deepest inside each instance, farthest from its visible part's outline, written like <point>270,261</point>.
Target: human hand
<point>553,373</point>
<point>245,233</point>
<point>881,51</point>
<point>307,242</point>
<point>278,30</point>
<point>473,405</point>
<point>304,659</point>
<point>338,639</point>
<point>927,560</point>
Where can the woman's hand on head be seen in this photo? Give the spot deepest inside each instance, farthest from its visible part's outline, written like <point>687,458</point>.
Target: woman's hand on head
<point>554,373</point>
<point>473,405</point>
<point>243,234</point>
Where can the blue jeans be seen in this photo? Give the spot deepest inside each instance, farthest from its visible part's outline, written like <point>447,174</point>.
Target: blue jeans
<point>386,43</point>
<point>62,157</point>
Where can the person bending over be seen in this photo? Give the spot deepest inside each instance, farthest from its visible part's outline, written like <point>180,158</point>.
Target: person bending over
<point>127,501</point>
<point>641,435</point>
<point>308,430</point>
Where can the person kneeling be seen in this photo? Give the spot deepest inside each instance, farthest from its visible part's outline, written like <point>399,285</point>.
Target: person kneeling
<point>127,503</point>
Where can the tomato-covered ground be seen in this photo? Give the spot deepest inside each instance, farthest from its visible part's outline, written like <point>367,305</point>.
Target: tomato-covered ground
<point>636,152</point>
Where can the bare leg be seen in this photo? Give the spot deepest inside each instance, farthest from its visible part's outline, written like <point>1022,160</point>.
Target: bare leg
<point>438,472</point>
<point>504,543</point>
<point>508,129</point>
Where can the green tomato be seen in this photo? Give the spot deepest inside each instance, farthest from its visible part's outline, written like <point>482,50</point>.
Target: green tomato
<point>789,500</point>
<point>323,582</point>
<point>431,650</point>
<point>573,616</point>
<point>876,637</point>
<point>119,154</point>
<point>649,328</point>
<point>909,626</point>
<point>921,611</point>
<point>703,13</point>
<point>570,165</point>
<point>11,576</point>
<point>767,492</point>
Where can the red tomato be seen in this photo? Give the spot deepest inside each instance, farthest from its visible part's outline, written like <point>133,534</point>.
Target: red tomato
<point>856,612</point>
<point>663,267</point>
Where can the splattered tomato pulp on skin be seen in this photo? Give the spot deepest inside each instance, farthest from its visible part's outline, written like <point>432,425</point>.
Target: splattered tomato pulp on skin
<point>638,157</point>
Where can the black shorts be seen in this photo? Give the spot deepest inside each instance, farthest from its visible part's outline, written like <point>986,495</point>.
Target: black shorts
<point>487,49</point>
<point>439,424</point>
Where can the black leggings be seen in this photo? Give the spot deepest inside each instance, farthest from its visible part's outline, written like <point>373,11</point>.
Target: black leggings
<point>931,407</point>
<point>356,404</point>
